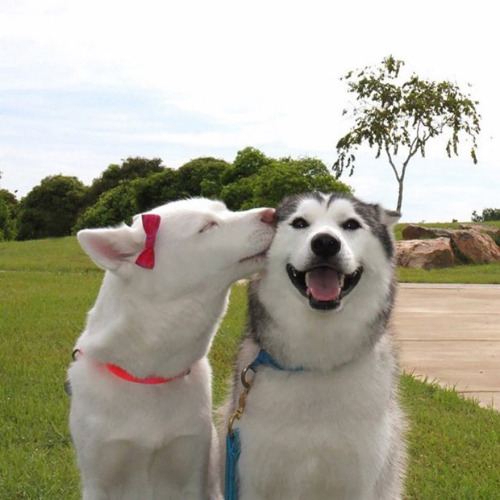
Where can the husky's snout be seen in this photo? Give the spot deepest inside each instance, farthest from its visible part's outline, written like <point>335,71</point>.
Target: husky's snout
<point>325,245</point>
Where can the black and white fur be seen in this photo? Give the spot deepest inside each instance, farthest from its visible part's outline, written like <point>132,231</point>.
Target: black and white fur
<point>335,429</point>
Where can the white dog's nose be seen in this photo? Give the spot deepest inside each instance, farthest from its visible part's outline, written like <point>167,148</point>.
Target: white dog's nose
<point>268,216</point>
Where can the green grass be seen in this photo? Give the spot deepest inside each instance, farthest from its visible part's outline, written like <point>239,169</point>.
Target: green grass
<point>477,273</point>
<point>54,255</point>
<point>46,290</point>
<point>454,444</point>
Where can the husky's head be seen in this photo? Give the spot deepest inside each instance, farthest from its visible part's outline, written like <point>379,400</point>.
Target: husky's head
<point>195,243</point>
<point>327,244</point>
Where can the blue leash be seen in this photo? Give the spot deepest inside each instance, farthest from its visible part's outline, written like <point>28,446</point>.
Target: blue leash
<point>233,449</point>
<point>233,442</point>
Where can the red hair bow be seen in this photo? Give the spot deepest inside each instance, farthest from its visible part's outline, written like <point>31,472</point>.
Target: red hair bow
<point>146,258</point>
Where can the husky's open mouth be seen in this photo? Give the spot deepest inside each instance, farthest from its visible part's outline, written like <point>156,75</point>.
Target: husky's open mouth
<point>324,286</point>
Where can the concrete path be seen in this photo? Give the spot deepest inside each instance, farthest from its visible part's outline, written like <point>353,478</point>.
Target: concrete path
<point>451,334</point>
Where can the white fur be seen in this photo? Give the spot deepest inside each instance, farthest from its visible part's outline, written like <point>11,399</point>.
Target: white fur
<point>333,430</point>
<point>150,442</point>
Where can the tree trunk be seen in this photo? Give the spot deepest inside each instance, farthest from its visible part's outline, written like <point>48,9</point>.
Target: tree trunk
<point>400,195</point>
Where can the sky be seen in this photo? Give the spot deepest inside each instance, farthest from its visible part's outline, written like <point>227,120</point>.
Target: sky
<point>87,83</point>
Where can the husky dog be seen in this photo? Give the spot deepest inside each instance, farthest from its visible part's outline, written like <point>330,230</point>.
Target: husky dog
<point>141,410</point>
<point>321,420</point>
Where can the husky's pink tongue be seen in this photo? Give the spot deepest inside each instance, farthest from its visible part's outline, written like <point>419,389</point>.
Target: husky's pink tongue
<point>323,284</point>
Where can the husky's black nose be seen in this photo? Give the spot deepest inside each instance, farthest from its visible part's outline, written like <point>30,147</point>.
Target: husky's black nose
<point>325,245</point>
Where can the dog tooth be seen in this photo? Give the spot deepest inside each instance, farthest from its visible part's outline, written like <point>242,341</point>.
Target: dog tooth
<point>307,280</point>
<point>341,280</point>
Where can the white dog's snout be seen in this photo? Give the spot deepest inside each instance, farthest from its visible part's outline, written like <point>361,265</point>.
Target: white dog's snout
<point>268,216</point>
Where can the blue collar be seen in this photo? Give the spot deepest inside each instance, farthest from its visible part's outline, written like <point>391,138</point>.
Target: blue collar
<point>264,358</point>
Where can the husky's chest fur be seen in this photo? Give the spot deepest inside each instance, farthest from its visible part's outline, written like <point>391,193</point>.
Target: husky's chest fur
<point>318,435</point>
<point>333,430</point>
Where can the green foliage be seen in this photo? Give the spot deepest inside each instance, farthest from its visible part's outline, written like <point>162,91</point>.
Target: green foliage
<point>113,207</point>
<point>201,177</point>
<point>130,169</point>
<point>252,180</point>
<point>8,213</point>
<point>51,208</point>
<point>489,214</point>
<point>397,116</point>
<point>140,184</point>
<point>271,180</point>
<point>238,194</point>
<point>156,189</point>
<point>287,177</point>
<point>248,161</point>
<point>192,179</point>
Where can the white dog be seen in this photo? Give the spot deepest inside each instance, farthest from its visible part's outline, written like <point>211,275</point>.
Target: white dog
<point>141,405</point>
<point>321,419</point>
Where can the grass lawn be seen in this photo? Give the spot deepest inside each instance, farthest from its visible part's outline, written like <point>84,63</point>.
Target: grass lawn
<point>46,290</point>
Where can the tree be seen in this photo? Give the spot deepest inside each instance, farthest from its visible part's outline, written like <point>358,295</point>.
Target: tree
<point>270,180</point>
<point>130,169</point>
<point>248,162</point>
<point>489,214</point>
<point>287,177</point>
<point>402,116</point>
<point>8,214</point>
<point>51,208</point>
<point>253,180</point>
<point>112,208</point>
<point>156,189</point>
<point>201,177</point>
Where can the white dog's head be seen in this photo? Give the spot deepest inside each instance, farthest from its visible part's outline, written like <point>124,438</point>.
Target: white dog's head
<point>181,246</point>
<point>327,244</point>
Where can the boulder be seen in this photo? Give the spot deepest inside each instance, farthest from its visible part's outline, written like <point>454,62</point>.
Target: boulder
<point>475,246</point>
<point>425,254</point>
<point>484,228</point>
<point>412,232</point>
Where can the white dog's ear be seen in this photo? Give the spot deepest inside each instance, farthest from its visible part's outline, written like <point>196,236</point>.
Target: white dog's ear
<point>389,217</point>
<point>110,248</point>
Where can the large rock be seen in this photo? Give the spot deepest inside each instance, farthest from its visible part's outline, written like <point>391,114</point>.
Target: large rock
<point>412,232</point>
<point>425,254</point>
<point>475,246</point>
<point>484,228</point>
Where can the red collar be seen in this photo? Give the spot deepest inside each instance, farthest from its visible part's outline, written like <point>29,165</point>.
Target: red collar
<point>123,374</point>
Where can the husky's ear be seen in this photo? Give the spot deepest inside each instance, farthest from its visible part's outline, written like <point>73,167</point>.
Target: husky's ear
<point>111,247</point>
<point>388,217</point>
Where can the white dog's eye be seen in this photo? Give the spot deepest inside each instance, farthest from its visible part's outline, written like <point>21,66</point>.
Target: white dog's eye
<point>299,223</point>
<point>351,225</point>
<point>208,225</point>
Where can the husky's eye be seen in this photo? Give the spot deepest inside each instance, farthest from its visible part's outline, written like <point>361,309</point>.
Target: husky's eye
<point>299,223</point>
<point>209,225</point>
<point>351,225</point>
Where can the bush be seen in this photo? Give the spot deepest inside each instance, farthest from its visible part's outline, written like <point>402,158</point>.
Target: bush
<point>488,214</point>
<point>51,208</point>
<point>8,213</point>
<point>112,208</point>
